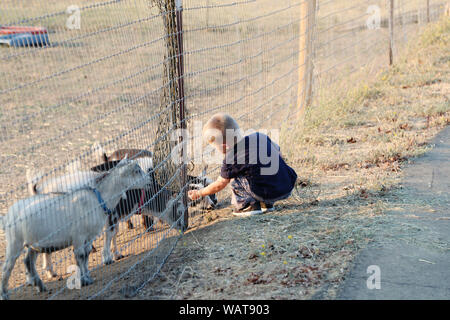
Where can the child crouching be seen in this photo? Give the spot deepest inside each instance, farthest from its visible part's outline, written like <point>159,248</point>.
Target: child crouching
<point>253,164</point>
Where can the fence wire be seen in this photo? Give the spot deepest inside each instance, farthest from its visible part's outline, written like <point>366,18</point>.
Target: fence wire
<point>103,77</point>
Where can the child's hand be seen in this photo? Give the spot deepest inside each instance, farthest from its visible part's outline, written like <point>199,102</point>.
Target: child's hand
<point>194,194</point>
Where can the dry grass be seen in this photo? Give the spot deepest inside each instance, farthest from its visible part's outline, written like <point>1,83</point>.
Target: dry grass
<point>379,123</point>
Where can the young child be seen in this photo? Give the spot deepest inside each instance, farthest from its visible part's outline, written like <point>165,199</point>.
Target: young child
<point>258,174</point>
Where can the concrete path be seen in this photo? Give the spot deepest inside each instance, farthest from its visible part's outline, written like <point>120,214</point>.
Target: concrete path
<point>418,268</point>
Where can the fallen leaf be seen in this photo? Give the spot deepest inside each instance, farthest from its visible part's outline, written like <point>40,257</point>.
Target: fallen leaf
<point>404,126</point>
<point>252,256</point>
<point>255,278</point>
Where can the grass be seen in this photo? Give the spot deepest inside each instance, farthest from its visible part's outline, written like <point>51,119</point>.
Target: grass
<point>380,122</point>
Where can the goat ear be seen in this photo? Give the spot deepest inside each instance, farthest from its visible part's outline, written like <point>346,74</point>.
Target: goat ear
<point>98,152</point>
<point>123,162</point>
<point>32,180</point>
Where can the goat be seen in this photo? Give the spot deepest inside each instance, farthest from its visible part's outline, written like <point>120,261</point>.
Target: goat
<point>152,201</point>
<point>208,202</point>
<point>59,185</point>
<point>147,221</point>
<point>197,183</point>
<point>49,222</point>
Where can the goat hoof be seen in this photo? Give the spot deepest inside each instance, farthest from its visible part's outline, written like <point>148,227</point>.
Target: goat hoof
<point>118,257</point>
<point>108,262</point>
<point>36,282</point>
<point>107,259</point>
<point>41,289</point>
<point>29,281</point>
<point>4,296</point>
<point>86,281</point>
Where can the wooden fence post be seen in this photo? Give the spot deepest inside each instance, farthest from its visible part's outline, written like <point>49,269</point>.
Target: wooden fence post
<point>305,71</point>
<point>391,32</point>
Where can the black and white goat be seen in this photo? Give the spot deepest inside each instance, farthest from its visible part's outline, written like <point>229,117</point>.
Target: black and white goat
<point>50,222</point>
<point>195,182</point>
<point>147,221</point>
<point>151,201</point>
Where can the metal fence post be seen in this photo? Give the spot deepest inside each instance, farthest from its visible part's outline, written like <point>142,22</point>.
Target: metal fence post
<point>180,66</point>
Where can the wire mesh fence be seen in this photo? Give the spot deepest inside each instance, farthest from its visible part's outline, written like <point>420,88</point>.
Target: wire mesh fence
<point>353,35</point>
<point>105,80</point>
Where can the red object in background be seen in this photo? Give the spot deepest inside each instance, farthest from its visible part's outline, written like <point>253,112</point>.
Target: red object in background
<point>19,30</point>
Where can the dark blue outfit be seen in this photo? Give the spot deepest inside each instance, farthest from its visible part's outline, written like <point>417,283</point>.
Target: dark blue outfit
<point>258,172</point>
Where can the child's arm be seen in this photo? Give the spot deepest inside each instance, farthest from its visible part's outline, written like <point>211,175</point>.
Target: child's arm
<point>214,187</point>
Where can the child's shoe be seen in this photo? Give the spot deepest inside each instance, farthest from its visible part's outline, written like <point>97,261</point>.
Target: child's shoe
<point>249,210</point>
<point>267,207</point>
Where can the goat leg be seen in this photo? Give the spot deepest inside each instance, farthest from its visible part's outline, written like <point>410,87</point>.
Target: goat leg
<point>81,258</point>
<point>88,249</point>
<point>32,275</point>
<point>130,224</point>
<point>47,265</point>
<point>13,250</point>
<point>148,223</point>
<point>110,232</point>
<point>117,254</point>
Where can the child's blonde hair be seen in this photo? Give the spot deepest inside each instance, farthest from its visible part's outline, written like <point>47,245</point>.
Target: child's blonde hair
<point>215,130</point>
